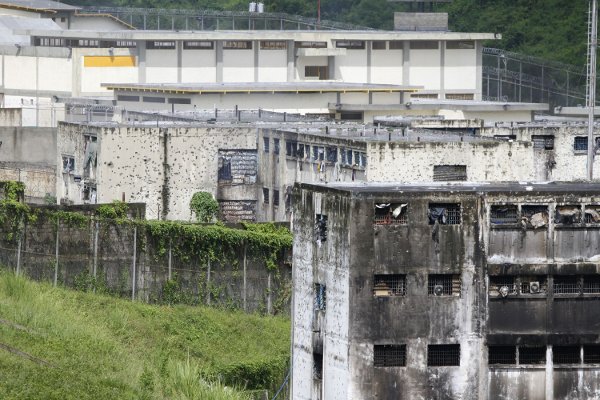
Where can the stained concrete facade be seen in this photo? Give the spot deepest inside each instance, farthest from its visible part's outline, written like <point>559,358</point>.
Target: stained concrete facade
<point>492,298</point>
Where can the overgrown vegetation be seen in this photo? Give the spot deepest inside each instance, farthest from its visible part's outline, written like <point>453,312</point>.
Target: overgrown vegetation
<point>552,29</point>
<point>62,344</point>
<point>204,206</point>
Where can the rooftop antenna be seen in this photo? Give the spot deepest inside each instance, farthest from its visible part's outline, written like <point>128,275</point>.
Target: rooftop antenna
<point>591,98</point>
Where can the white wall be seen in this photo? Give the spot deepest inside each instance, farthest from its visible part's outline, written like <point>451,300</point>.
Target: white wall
<point>20,72</point>
<point>460,69</point>
<point>386,66</point>
<point>351,67</point>
<point>238,65</point>
<point>161,66</point>
<point>425,68</point>
<point>55,74</point>
<point>198,66</point>
<point>272,65</point>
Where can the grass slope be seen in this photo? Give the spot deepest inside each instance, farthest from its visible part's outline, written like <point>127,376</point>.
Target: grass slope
<point>62,344</point>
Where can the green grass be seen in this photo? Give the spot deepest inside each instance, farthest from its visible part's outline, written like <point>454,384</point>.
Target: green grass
<point>63,344</point>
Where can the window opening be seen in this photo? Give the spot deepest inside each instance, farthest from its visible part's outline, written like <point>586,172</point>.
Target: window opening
<point>504,214</point>
<point>321,227</point>
<point>443,355</point>
<point>318,153</point>
<point>266,143</point>
<point>320,297</point>
<point>378,45</point>
<point>317,366</point>
<point>149,99</point>
<point>396,45</point>
<point>389,355</point>
<point>273,45</point>
<point>276,146</point>
<point>460,96</point>
<point>266,195</point>
<point>176,100</point>
<point>543,142</point>
<point>534,216</point>
<point>449,173</point>
<point>566,354</point>
<point>534,285</point>
<point>311,45</point>
<point>591,284</point>
<point>315,71</point>
<point>350,44</point>
<point>532,355</point>
<point>123,97</point>
<point>225,169</point>
<point>332,154</point>
<point>460,45</point>
<point>389,285</point>
<point>391,213</point>
<point>566,284</point>
<point>291,148</point>
<point>160,45</point>
<point>198,45</point>
<point>568,215</point>
<point>237,44</point>
<point>276,198</point>
<point>591,354</point>
<point>592,214</point>
<point>502,355</point>
<point>580,143</point>
<point>502,286</point>
<point>424,45</point>
<point>444,213</point>
<point>68,164</point>
<point>505,137</point>
<point>443,285</point>
<point>349,157</point>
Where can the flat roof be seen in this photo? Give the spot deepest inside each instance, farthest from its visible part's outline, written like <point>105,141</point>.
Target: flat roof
<point>258,87</point>
<point>262,35</point>
<point>37,5</point>
<point>457,187</point>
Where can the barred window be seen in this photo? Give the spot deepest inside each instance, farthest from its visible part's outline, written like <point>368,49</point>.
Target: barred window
<point>389,355</point>
<point>535,216</point>
<point>350,44</point>
<point>532,355</point>
<point>566,284</point>
<point>534,284</point>
<point>443,285</point>
<point>543,142</point>
<point>273,45</point>
<point>568,214</point>
<point>160,45</point>
<point>591,354</point>
<point>396,45</point>
<point>332,154</point>
<point>591,284</point>
<point>318,153</point>
<point>179,100</point>
<point>443,355</point>
<point>315,71</point>
<point>198,45</point>
<point>291,148</point>
<point>311,45</point>
<point>276,198</point>
<point>320,297</point>
<point>276,146</point>
<point>592,214</point>
<point>504,214</point>
<point>266,195</point>
<point>389,285</point>
<point>460,96</point>
<point>317,366</point>
<point>266,142</point>
<point>502,355</point>
<point>444,213</point>
<point>321,227</point>
<point>566,355</point>
<point>502,286</point>
<point>580,143</point>
<point>237,45</point>
<point>449,173</point>
<point>391,214</point>
<point>151,99</point>
<point>124,97</point>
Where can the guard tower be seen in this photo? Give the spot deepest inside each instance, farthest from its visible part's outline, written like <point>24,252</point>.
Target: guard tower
<point>418,19</point>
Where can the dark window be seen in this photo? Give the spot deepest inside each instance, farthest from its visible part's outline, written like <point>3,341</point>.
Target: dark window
<point>291,148</point>
<point>443,285</point>
<point>568,215</point>
<point>68,164</point>
<point>424,45</point>
<point>351,116</point>
<point>379,45</point>
<point>198,45</point>
<point>315,71</point>
<point>503,214</point>
<point>154,99</point>
<point>288,198</point>
<point>389,285</point>
<point>534,284</point>
<point>591,284</point>
<point>459,96</point>
<point>321,227</point>
<point>391,213</point>
<point>591,354</point>
<point>266,144</point>
<point>320,297</point>
<point>175,100</point>
<point>266,195</point>
<point>581,143</point>
<point>273,45</point>
<point>566,284</point>
<point>396,45</point>
<point>443,355</point>
<point>85,43</point>
<point>502,355</point>
<point>311,45</point>
<point>535,216</point>
<point>502,285</point>
<point>505,137</point>
<point>303,150</point>
<point>460,45</point>
<point>592,214</point>
<point>532,355</point>
<point>444,213</point>
<point>317,366</point>
<point>389,355</point>
<point>545,142</point>
<point>449,172</point>
<point>123,97</point>
<point>318,153</point>
<point>276,197</point>
<point>237,44</point>
<point>160,45</point>
<point>276,146</point>
<point>566,354</point>
<point>332,154</point>
<point>350,44</point>
<point>225,169</point>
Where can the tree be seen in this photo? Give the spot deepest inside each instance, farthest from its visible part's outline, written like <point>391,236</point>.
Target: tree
<point>204,206</point>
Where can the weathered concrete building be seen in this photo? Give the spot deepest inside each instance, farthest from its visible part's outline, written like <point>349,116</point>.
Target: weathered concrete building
<point>456,291</point>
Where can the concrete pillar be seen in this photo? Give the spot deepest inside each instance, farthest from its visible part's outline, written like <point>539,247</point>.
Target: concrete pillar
<point>291,61</point>
<point>369,62</point>
<point>141,49</point>
<point>406,63</point>
<point>442,46</point>
<point>256,46</point>
<point>331,67</point>
<point>479,71</point>
<point>219,59</point>
<point>179,47</point>
<point>549,374</point>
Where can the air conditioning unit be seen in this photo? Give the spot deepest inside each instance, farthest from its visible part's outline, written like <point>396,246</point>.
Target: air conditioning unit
<point>504,291</point>
<point>438,290</point>
<point>534,287</point>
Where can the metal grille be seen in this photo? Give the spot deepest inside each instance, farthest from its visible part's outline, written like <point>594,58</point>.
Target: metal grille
<point>392,213</point>
<point>580,143</point>
<point>545,142</point>
<point>320,297</point>
<point>276,197</point>
<point>443,285</point>
<point>266,143</point>
<point>566,355</point>
<point>266,195</point>
<point>566,285</point>
<point>591,284</point>
<point>591,354</point>
<point>442,355</point>
<point>592,215</point>
<point>532,355</point>
<point>332,154</point>
<point>504,214</point>
<point>533,285</point>
<point>502,355</point>
<point>498,282</point>
<point>389,355</point>
<point>449,172</point>
<point>444,213</point>
<point>569,214</point>
<point>276,146</point>
<point>389,285</point>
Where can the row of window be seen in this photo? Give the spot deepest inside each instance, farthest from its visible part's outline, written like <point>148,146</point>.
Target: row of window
<point>532,355</point>
<point>267,199</point>
<point>385,285</point>
<point>394,355</point>
<point>537,215</point>
<point>345,156</point>
<point>546,142</point>
<point>153,99</point>
<point>506,285</point>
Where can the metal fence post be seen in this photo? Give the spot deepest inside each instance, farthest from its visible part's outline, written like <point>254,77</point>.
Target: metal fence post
<point>133,264</point>
<point>95,262</point>
<point>170,253</point>
<point>56,259</point>
<point>208,284</point>
<point>245,291</point>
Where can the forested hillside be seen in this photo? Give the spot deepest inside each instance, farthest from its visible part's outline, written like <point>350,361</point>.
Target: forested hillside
<point>553,29</point>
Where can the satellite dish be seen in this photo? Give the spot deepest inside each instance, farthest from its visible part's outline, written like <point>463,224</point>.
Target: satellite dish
<point>438,290</point>
<point>503,291</point>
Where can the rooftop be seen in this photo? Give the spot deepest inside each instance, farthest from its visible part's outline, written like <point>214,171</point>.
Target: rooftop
<point>37,5</point>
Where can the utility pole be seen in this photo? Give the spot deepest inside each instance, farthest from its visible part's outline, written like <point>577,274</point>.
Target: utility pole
<point>318,14</point>
<point>592,47</point>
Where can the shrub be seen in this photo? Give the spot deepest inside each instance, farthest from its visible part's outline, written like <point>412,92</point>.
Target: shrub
<point>204,206</point>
